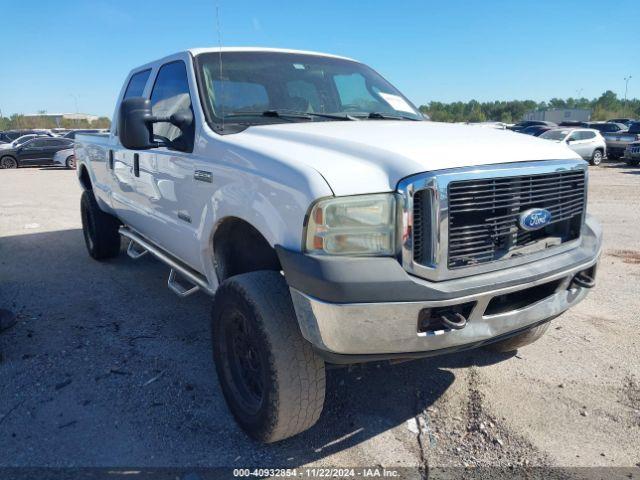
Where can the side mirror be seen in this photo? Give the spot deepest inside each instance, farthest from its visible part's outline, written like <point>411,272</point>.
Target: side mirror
<point>135,123</point>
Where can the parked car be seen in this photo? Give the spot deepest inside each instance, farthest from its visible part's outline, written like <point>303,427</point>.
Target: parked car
<point>604,127</point>
<point>66,158</point>
<point>632,154</point>
<point>35,151</point>
<point>303,200</point>
<point>528,123</point>
<point>586,142</point>
<point>617,142</point>
<point>624,121</point>
<point>536,130</point>
<point>72,134</point>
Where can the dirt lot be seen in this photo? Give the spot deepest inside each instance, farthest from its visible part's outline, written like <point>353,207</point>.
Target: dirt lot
<point>107,367</point>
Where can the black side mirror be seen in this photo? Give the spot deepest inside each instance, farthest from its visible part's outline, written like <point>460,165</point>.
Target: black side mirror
<point>135,123</point>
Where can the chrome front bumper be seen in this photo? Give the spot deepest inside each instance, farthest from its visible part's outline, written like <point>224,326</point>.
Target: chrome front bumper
<point>391,328</point>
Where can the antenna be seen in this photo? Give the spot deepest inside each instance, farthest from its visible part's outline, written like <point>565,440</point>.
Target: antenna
<point>220,61</point>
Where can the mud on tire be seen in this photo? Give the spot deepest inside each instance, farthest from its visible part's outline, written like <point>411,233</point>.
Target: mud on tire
<point>271,378</point>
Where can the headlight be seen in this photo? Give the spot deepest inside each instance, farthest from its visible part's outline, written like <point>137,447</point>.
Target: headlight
<point>358,225</point>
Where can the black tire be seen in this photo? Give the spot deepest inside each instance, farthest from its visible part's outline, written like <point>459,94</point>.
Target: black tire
<point>70,163</point>
<point>596,158</point>
<point>271,378</point>
<point>525,338</point>
<point>8,162</point>
<point>99,228</point>
<point>633,162</point>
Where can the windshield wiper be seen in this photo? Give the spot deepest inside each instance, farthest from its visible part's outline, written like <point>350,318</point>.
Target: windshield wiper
<point>269,113</point>
<point>386,116</point>
<point>291,114</point>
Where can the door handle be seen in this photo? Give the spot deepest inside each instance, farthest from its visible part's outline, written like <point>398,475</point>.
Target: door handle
<point>136,164</point>
<point>110,159</point>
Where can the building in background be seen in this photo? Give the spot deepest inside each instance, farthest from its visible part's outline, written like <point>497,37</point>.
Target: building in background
<point>558,115</point>
<point>59,117</point>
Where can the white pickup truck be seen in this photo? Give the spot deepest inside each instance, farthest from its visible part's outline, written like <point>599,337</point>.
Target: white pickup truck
<point>330,222</point>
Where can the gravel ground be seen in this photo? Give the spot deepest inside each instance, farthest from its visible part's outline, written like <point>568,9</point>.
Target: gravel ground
<point>106,367</point>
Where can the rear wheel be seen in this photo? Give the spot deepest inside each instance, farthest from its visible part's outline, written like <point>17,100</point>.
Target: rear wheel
<point>525,338</point>
<point>596,158</point>
<point>71,162</point>
<point>99,228</point>
<point>8,162</point>
<point>271,378</point>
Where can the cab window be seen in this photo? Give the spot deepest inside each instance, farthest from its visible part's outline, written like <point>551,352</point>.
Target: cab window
<point>137,84</point>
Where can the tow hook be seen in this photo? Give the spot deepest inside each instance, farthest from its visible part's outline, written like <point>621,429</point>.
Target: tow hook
<point>453,320</point>
<point>584,280</point>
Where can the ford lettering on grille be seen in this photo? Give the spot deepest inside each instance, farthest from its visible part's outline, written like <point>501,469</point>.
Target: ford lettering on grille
<point>534,219</point>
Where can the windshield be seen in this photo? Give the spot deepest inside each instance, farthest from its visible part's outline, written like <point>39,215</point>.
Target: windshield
<point>321,88</point>
<point>555,134</point>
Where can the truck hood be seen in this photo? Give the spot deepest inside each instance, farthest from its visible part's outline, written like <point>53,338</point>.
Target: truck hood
<point>373,156</point>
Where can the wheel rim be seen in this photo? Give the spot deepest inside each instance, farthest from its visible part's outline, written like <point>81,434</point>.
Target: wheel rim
<point>71,162</point>
<point>244,366</point>
<point>597,157</point>
<point>8,162</point>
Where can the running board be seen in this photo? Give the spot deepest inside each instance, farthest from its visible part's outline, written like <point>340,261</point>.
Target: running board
<point>198,280</point>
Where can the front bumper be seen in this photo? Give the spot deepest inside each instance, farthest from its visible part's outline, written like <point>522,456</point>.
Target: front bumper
<point>368,308</point>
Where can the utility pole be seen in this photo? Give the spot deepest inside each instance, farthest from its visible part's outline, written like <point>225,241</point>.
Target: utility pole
<point>626,87</point>
<point>75,97</point>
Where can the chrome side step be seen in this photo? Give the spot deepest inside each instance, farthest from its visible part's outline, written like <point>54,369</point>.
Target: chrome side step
<point>139,246</point>
<point>178,288</point>
<point>135,253</point>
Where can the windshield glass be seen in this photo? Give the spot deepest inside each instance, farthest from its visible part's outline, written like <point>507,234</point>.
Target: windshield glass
<point>555,134</point>
<point>256,82</point>
<point>24,138</point>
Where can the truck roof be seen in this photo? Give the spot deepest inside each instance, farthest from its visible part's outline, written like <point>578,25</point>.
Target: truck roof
<point>198,51</point>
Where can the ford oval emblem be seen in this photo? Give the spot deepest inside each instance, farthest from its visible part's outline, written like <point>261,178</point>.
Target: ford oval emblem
<point>534,219</point>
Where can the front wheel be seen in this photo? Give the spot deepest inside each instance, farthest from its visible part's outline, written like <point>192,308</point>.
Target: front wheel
<point>100,229</point>
<point>633,162</point>
<point>271,378</point>
<point>8,162</point>
<point>71,162</point>
<point>596,158</point>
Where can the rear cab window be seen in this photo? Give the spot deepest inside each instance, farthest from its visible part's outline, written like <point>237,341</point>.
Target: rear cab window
<point>136,85</point>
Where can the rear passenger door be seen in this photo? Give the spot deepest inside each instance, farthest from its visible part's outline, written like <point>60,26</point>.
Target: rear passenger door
<point>119,163</point>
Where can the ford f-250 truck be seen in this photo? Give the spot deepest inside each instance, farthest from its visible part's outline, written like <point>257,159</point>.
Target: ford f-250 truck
<point>330,222</point>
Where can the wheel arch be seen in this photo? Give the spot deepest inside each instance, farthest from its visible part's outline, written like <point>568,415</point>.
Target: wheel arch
<point>239,247</point>
<point>84,178</point>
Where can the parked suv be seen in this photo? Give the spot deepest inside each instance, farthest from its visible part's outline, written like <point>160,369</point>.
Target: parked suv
<point>587,143</point>
<point>329,221</point>
<point>35,151</point>
<point>617,142</point>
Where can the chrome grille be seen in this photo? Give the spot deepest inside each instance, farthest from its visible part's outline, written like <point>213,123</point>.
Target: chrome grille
<point>483,215</point>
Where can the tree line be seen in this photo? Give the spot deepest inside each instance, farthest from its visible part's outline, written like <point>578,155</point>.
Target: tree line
<point>18,121</point>
<point>607,106</point>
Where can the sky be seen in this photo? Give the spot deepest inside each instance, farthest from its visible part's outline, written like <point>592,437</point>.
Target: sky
<point>73,55</point>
